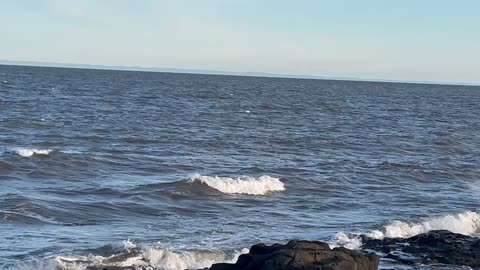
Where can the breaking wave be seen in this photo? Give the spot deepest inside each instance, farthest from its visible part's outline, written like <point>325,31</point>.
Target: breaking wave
<point>28,152</point>
<point>242,185</point>
<point>466,223</point>
<point>137,258</point>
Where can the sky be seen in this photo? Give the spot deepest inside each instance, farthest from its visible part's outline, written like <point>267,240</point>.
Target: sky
<point>408,40</point>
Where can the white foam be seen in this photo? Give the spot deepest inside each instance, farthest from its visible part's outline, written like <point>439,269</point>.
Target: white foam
<point>466,223</point>
<point>129,244</point>
<point>342,239</point>
<point>148,258</point>
<point>242,185</point>
<point>168,260</point>
<point>28,152</point>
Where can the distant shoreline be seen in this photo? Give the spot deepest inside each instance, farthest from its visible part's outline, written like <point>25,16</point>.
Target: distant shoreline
<point>217,72</point>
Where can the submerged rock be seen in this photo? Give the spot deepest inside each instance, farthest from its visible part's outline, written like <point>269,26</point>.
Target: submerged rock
<point>434,247</point>
<point>304,255</point>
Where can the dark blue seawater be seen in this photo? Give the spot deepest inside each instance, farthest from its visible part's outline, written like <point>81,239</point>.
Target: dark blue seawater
<point>95,163</point>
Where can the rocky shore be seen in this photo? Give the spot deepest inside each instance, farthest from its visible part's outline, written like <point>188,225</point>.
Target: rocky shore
<point>293,255</point>
<point>434,247</point>
<point>302,255</point>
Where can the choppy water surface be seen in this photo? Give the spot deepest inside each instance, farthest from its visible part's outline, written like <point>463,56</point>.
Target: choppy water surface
<point>191,169</point>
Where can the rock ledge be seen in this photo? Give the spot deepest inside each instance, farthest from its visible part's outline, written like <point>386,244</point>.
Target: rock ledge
<point>301,255</point>
<point>434,247</point>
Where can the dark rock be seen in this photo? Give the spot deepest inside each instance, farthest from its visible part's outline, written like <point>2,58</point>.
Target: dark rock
<point>301,255</point>
<point>434,247</point>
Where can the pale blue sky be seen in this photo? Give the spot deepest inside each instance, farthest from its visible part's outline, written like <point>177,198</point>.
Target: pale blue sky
<point>427,40</point>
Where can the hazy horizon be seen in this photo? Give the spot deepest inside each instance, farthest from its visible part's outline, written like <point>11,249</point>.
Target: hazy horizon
<point>411,41</point>
<point>218,72</point>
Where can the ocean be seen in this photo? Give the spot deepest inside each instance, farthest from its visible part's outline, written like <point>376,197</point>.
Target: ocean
<point>183,170</point>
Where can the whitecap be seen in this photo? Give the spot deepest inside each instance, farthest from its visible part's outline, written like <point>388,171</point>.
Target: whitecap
<point>464,223</point>
<point>169,260</point>
<point>141,258</point>
<point>28,152</point>
<point>347,240</point>
<point>467,223</point>
<point>242,185</point>
<point>129,244</point>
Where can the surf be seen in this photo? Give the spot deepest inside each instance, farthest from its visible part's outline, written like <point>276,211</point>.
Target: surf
<point>246,185</point>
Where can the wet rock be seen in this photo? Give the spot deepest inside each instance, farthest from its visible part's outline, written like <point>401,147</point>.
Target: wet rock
<point>301,255</point>
<point>434,247</point>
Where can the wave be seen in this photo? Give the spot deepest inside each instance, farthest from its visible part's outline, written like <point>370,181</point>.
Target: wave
<point>16,208</point>
<point>137,258</point>
<point>28,152</point>
<point>467,223</point>
<point>5,166</point>
<point>26,216</point>
<point>242,185</point>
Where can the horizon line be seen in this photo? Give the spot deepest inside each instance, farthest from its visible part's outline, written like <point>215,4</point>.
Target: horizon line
<point>219,72</point>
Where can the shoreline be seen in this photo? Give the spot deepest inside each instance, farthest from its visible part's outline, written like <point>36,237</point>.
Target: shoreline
<point>437,247</point>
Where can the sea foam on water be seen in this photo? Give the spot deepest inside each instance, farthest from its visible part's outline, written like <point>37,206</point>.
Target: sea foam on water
<point>467,223</point>
<point>242,185</point>
<point>28,152</point>
<point>140,258</point>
